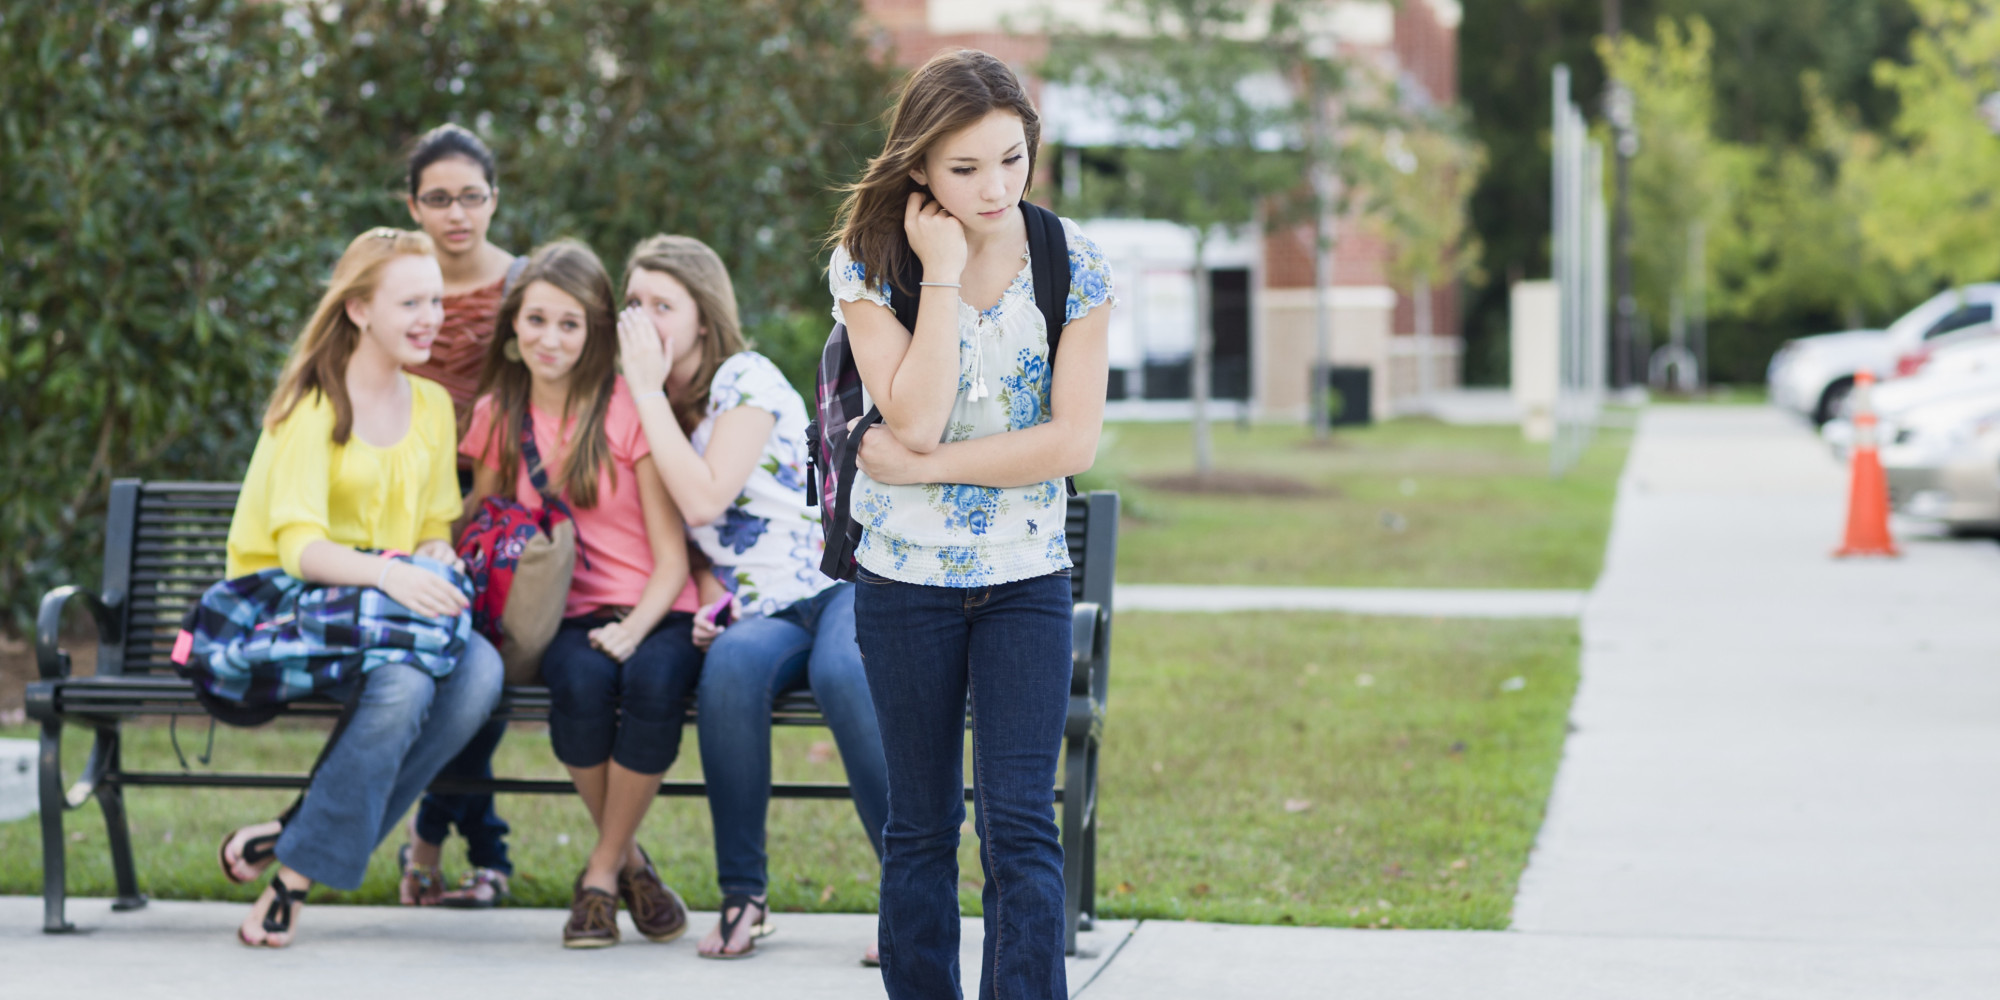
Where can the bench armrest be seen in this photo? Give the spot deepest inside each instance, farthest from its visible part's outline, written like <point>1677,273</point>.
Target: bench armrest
<point>50,658</point>
<point>1085,627</point>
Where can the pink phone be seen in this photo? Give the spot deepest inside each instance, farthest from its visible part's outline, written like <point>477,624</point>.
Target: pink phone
<point>720,614</point>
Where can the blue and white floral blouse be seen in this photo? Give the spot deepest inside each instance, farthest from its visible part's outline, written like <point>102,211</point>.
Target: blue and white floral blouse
<point>953,534</point>
<point>766,547</point>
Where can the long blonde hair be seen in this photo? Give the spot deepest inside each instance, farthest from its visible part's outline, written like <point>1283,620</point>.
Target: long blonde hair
<point>701,271</point>
<point>573,268</point>
<point>950,92</point>
<point>318,362</point>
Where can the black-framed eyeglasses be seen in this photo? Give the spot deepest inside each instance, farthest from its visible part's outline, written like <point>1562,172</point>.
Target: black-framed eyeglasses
<point>441,199</point>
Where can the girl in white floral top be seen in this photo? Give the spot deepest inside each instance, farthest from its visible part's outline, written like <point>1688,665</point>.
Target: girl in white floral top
<point>963,593</point>
<point>728,435</point>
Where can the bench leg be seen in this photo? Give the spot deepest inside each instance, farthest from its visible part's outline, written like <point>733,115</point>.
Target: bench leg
<point>54,868</point>
<point>111,799</point>
<point>1075,806</point>
<point>1087,899</point>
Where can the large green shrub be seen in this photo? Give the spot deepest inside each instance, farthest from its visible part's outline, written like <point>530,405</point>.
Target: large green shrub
<point>153,252</point>
<point>179,177</point>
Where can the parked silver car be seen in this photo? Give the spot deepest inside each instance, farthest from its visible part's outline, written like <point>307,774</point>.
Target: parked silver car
<point>1943,463</point>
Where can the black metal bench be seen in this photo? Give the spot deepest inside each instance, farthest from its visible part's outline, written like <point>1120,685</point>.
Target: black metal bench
<point>164,545</point>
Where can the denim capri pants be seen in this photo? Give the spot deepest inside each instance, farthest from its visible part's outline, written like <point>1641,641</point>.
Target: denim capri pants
<point>630,712</point>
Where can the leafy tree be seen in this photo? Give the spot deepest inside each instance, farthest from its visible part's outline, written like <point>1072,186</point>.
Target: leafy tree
<point>157,246</point>
<point>1420,205</point>
<point>1933,209</point>
<point>1762,54</point>
<point>182,174</point>
<point>1182,81</point>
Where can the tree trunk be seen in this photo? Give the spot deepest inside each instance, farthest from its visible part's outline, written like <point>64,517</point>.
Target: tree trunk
<point>1204,350</point>
<point>1424,341</point>
<point>1323,235</point>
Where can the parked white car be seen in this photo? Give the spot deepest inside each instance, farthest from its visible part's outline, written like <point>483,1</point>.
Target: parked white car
<point>1943,463</point>
<point>1965,368</point>
<point>1811,376</point>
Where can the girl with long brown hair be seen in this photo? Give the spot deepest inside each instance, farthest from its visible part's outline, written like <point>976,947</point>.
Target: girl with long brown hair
<point>623,662</point>
<point>963,590</point>
<point>729,440</point>
<point>355,455</point>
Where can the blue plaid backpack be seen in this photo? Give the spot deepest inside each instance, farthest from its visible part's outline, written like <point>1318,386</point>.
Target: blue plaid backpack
<point>832,446</point>
<point>255,642</point>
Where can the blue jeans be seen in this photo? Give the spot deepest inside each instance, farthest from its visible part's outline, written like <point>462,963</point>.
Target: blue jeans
<point>630,712</point>
<point>484,831</point>
<point>403,730</point>
<point>1004,649</point>
<point>808,644</point>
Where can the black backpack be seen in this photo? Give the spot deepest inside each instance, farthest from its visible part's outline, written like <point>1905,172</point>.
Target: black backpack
<point>832,447</point>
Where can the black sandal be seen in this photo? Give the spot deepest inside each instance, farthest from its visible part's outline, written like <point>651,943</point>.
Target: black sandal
<point>258,851</point>
<point>278,916</point>
<point>741,903</point>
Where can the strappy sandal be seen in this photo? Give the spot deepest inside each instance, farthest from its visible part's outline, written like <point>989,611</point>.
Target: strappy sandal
<point>741,904</point>
<point>421,885</point>
<point>257,851</point>
<point>480,889</point>
<point>278,916</point>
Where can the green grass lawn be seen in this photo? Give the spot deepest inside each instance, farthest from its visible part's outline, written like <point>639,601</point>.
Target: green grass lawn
<point>1261,768</point>
<point>1407,503</point>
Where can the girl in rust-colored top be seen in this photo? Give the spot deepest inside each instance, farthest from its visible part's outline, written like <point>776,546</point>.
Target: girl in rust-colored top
<point>452,196</point>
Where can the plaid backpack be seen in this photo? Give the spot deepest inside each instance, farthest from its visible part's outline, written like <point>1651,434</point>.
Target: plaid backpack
<point>254,642</point>
<point>832,446</point>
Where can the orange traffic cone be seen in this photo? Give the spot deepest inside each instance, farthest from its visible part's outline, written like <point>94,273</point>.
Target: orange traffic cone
<point>1868,500</point>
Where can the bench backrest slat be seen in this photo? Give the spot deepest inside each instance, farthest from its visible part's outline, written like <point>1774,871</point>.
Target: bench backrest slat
<point>166,542</point>
<point>175,546</point>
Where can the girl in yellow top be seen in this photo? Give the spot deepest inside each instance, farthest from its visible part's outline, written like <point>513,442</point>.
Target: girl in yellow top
<point>358,455</point>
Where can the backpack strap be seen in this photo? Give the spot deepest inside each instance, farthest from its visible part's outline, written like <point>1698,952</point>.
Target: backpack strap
<point>1048,256</point>
<point>531,453</point>
<point>1048,262</point>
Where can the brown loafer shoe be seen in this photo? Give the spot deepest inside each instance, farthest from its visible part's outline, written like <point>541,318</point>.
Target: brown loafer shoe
<point>593,918</point>
<point>656,909</point>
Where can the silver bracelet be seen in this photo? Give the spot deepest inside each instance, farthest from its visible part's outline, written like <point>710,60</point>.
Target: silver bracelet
<point>662,393</point>
<point>937,284</point>
<point>387,565</point>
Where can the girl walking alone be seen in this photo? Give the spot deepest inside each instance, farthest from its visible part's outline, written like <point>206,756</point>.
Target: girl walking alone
<point>962,599</point>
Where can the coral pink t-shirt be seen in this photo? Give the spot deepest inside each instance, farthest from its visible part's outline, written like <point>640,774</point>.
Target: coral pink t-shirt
<point>610,536</point>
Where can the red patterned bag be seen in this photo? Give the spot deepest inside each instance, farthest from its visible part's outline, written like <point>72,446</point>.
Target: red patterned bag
<point>520,562</point>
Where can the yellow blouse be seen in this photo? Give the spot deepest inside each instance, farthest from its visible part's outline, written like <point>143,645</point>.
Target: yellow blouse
<point>302,487</point>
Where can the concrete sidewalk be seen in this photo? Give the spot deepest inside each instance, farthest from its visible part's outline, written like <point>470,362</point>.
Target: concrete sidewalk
<point>1782,784</point>
<point>1772,747</point>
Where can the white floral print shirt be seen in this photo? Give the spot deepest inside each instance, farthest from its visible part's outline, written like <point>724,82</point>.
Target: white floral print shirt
<point>766,547</point>
<point>954,534</point>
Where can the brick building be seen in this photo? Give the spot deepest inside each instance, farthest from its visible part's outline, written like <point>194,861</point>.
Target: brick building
<point>1263,295</point>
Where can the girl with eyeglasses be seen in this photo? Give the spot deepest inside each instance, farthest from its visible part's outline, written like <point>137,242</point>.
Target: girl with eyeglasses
<point>453,196</point>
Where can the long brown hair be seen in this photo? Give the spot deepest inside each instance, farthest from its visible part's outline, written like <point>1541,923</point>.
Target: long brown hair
<point>318,362</point>
<point>950,92</point>
<point>701,271</point>
<point>573,268</point>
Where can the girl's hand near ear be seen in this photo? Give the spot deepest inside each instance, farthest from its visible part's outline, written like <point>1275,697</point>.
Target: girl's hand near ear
<point>640,352</point>
<point>937,239</point>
